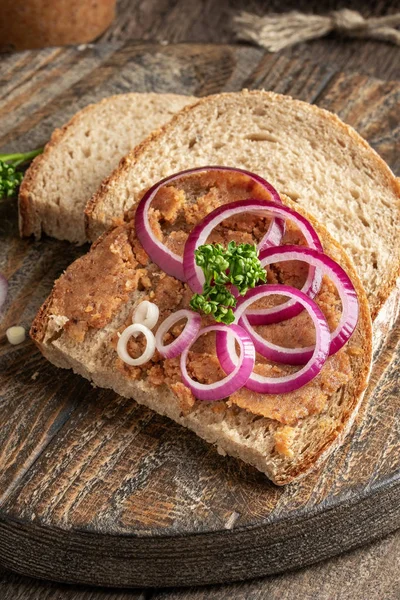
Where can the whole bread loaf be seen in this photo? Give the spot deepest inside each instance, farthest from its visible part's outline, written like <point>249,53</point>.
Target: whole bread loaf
<point>81,154</point>
<point>93,300</point>
<point>307,153</point>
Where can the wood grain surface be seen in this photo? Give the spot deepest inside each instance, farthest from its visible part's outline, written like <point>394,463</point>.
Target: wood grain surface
<point>95,489</point>
<point>175,21</point>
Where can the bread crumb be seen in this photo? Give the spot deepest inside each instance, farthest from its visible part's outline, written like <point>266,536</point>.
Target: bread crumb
<point>284,437</point>
<point>185,397</point>
<point>117,221</point>
<point>218,407</point>
<point>355,350</point>
<point>155,375</point>
<point>233,517</point>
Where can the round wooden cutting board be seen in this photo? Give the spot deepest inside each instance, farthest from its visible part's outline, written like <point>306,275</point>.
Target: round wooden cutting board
<point>96,489</point>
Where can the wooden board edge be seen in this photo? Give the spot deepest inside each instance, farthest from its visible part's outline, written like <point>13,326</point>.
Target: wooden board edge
<point>198,559</point>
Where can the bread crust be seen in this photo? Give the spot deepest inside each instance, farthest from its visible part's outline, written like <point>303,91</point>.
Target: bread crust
<point>336,439</point>
<point>170,404</point>
<point>30,222</point>
<point>94,205</point>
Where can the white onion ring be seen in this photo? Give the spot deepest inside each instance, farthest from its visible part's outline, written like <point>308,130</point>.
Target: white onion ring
<point>134,330</point>
<point>146,313</point>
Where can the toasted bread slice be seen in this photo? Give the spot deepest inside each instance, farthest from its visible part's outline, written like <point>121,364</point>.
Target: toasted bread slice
<point>307,153</point>
<point>78,156</point>
<point>93,300</point>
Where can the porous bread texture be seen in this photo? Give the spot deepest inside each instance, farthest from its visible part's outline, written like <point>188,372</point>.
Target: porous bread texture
<point>78,156</point>
<point>307,153</point>
<point>234,431</point>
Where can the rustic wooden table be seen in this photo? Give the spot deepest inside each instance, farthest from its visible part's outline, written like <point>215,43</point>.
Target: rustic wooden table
<point>371,572</point>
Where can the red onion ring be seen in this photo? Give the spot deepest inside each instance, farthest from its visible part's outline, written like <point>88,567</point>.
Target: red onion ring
<point>311,286</point>
<point>238,376</point>
<point>347,293</point>
<point>167,260</point>
<point>288,383</point>
<point>183,340</point>
<point>3,290</point>
<point>200,233</point>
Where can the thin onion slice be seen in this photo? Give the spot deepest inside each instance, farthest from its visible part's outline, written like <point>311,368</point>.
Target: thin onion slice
<point>311,286</point>
<point>162,256</point>
<point>201,232</point>
<point>347,294</point>
<point>3,290</point>
<point>146,313</point>
<point>226,351</point>
<point>185,338</point>
<point>134,330</point>
<point>239,374</point>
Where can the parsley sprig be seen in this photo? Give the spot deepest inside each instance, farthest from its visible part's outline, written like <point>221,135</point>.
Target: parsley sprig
<point>237,265</point>
<point>10,178</point>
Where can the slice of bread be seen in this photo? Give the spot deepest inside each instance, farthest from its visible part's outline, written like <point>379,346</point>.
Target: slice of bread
<point>307,153</point>
<point>78,156</point>
<point>77,328</point>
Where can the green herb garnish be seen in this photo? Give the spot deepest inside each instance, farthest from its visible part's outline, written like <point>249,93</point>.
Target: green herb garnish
<point>236,265</point>
<point>10,178</point>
